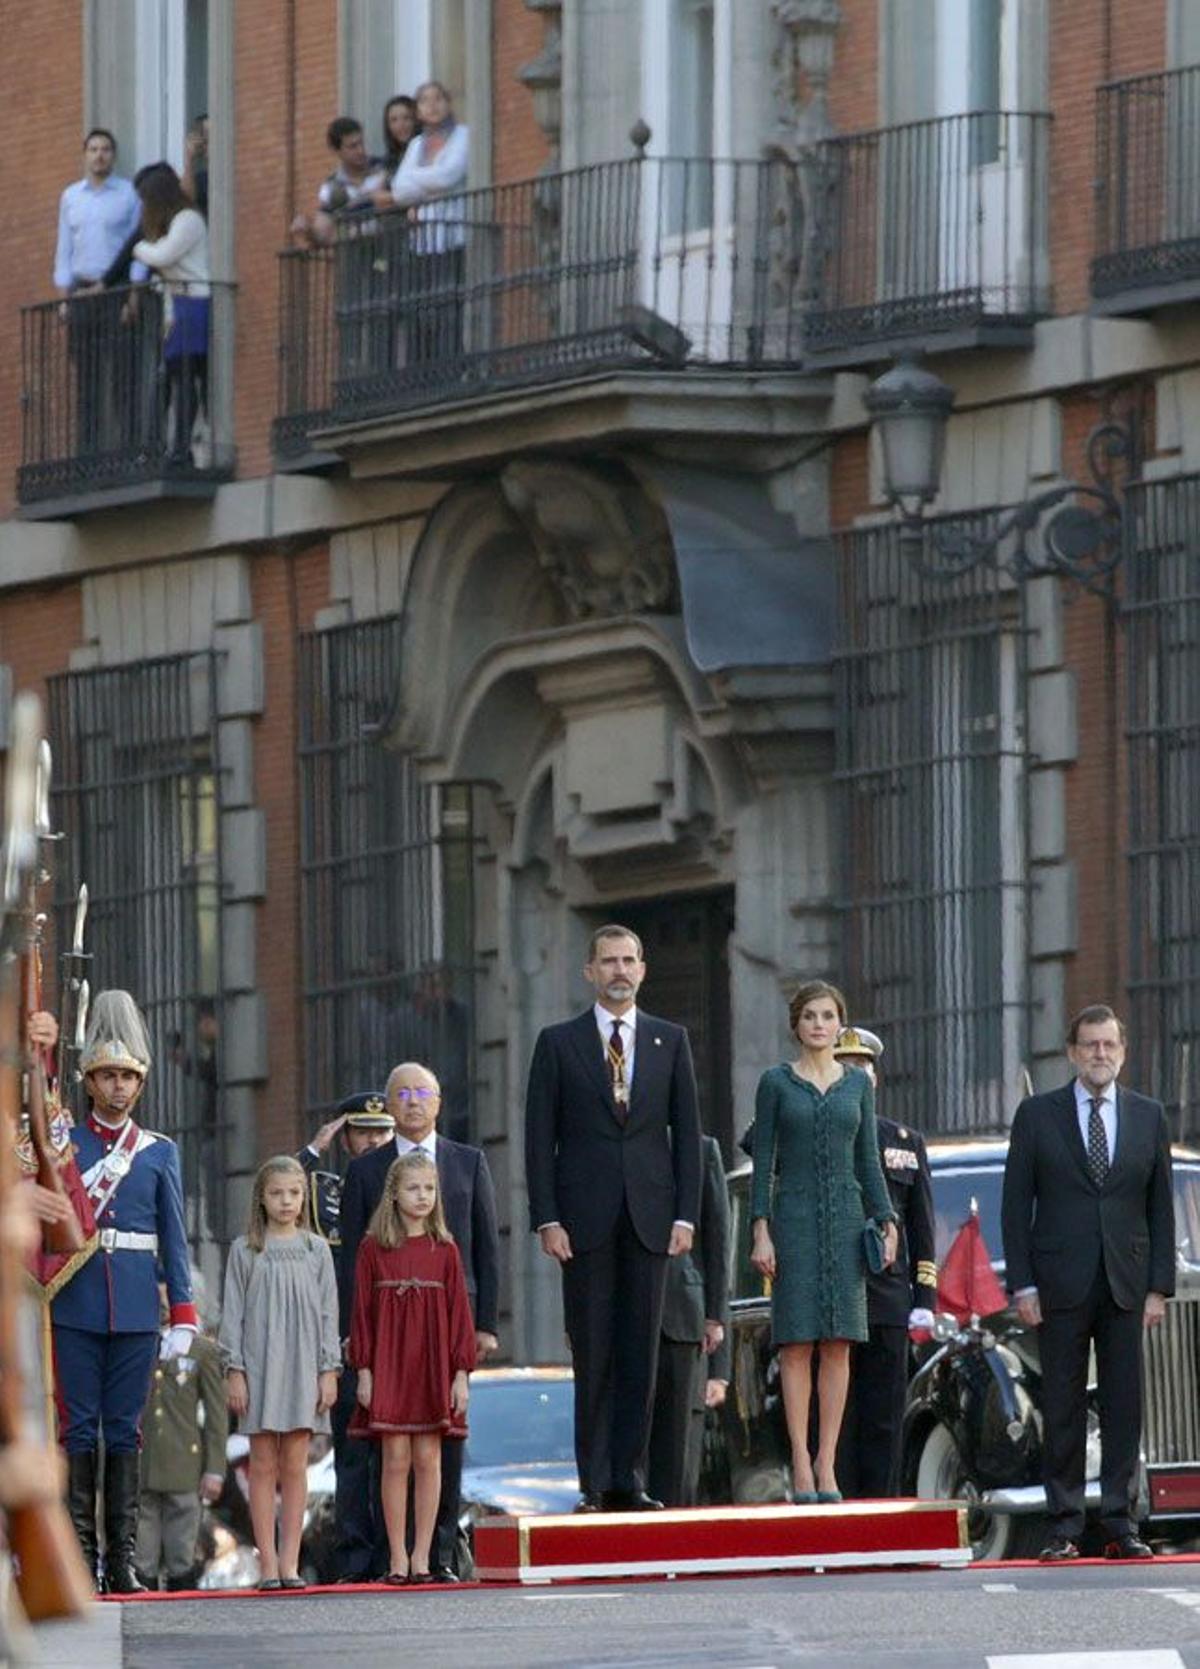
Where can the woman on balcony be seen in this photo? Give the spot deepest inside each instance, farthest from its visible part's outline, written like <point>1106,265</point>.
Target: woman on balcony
<point>175,248</point>
<point>817,1180</point>
<point>428,184</point>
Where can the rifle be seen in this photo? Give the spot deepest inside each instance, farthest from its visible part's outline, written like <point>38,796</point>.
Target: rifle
<point>64,1238</point>
<point>52,1578</point>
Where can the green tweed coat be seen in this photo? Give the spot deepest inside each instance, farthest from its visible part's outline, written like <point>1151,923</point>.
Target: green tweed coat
<point>818,1179</point>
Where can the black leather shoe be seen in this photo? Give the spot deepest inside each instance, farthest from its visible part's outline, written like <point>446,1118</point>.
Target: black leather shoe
<point>589,1502</point>
<point>443,1573</point>
<point>630,1501</point>
<point>1059,1550</point>
<point>1127,1547</point>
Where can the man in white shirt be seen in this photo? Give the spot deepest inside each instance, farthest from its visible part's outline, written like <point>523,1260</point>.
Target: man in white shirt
<point>97,215</point>
<point>355,183</point>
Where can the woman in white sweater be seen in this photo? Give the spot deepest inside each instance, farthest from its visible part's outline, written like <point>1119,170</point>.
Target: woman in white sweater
<point>175,248</point>
<point>429,184</point>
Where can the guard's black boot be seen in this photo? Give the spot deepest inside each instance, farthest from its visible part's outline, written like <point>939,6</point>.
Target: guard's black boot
<point>120,1524</point>
<point>184,1582</point>
<point>81,1505</point>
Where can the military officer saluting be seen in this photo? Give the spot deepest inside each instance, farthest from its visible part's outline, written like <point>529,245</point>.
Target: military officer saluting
<point>868,1462</point>
<point>106,1320</point>
<point>364,1123</point>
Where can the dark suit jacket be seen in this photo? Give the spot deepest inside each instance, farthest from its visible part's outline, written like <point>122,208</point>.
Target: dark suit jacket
<point>469,1203</point>
<point>1057,1224</point>
<point>698,1281</point>
<point>582,1162</point>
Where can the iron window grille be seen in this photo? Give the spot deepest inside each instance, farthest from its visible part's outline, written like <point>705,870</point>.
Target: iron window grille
<point>386,886</point>
<point>1161,608</point>
<point>137,793</point>
<point>931,773</point>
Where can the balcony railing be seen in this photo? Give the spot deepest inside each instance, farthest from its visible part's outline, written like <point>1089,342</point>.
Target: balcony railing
<point>1148,187</point>
<point>935,229</point>
<point>642,263</point>
<point>120,395</point>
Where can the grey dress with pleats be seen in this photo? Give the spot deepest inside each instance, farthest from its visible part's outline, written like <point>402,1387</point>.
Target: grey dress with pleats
<point>279,1325</point>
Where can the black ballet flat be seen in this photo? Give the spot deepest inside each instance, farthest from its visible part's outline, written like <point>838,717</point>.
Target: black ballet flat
<point>396,1579</point>
<point>292,1582</point>
<point>270,1585</point>
<point>418,1578</point>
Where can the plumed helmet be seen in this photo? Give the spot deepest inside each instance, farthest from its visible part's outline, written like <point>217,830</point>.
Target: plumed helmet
<point>116,1035</point>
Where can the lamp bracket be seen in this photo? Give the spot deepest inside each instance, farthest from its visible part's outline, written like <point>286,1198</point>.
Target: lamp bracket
<point>1081,541</point>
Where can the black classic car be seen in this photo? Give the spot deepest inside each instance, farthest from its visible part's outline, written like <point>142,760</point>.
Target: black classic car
<point>972,1423</point>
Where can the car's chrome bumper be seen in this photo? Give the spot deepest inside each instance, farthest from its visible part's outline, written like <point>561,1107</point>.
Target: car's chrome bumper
<point>1030,1498</point>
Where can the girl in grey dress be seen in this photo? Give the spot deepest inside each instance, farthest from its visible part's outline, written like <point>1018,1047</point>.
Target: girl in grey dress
<point>279,1340</point>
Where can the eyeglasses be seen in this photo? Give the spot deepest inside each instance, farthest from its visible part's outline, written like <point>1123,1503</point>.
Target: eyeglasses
<point>416,1093</point>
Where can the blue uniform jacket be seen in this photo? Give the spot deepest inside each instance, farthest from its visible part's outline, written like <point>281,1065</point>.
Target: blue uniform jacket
<point>117,1291</point>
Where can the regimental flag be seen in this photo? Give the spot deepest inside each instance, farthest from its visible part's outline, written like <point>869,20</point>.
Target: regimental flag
<point>49,1271</point>
<point>967,1284</point>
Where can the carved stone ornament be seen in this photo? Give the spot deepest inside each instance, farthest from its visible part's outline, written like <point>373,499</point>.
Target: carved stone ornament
<point>543,77</point>
<point>598,536</point>
<point>803,63</point>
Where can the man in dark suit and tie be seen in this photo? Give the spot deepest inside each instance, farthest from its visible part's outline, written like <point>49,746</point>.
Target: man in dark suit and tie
<point>693,1350</point>
<point>469,1201</point>
<point>612,1162</point>
<point>1089,1241</point>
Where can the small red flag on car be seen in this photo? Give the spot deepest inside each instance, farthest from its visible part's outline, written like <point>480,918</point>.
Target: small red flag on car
<point>967,1283</point>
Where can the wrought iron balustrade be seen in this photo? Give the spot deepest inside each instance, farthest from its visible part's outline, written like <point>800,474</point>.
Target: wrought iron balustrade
<point>646,262</point>
<point>1148,184</point>
<point>929,228</point>
<point>119,390</point>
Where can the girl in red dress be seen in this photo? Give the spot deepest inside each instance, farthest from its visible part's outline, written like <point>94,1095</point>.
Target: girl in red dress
<point>413,1342</point>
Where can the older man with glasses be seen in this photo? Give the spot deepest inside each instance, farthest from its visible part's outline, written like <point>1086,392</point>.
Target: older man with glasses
<point>414,1099</point>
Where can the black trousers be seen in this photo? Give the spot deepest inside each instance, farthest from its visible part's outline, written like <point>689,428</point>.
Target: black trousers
<point>676,1435</point>
<point>1064,1338</point>
<point>868,1457</point>
<point>613,1303</point>
<point>354,1517</point>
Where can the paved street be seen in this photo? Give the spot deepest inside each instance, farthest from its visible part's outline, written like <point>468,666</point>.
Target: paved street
<point>1023,1619</point>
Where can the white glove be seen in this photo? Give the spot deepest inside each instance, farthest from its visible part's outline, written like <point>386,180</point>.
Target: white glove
<point>176,1341</point>
<point>921,1320</point>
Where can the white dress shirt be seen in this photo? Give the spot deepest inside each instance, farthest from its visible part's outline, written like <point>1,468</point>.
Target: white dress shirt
<point>94,222</point>
<point>1108,1115</point>
<point>427,1144</point>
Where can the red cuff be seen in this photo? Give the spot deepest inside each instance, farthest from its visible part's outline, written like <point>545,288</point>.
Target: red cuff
<point>185,1315</point>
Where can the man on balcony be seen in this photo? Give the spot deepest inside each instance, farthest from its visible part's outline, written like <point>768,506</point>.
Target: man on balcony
<point>97,215</point>
<point>353,184</point>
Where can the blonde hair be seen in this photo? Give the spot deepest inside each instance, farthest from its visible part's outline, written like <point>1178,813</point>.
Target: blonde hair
<point>282,1165</point>
<point>386,1227</point>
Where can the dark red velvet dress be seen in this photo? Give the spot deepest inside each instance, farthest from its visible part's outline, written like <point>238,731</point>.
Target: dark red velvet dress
<point>412,1327</point>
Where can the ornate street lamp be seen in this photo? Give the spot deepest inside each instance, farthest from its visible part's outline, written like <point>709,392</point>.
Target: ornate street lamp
<point>910,408</point>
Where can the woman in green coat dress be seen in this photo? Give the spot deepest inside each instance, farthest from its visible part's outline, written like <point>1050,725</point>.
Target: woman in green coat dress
<point>817,1181</point>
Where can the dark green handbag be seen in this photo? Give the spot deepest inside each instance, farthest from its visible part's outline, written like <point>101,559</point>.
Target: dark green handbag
<point>873,1247</point>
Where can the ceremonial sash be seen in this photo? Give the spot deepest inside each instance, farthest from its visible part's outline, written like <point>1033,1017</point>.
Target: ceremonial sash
<point>102,1179</point>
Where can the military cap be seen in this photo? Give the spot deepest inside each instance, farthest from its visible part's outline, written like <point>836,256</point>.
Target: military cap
<point>366,1109</point>
<point>858,1041</point>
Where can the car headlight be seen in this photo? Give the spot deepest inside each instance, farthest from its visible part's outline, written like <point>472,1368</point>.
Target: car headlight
<point>1091,1452</point>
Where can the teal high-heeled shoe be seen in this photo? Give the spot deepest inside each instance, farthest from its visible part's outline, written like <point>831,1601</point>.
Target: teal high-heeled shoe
<point>828,1497</point>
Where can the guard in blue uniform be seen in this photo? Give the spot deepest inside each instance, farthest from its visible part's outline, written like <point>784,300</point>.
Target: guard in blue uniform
<point>903,1295</point>
<point>364,1123</point>
<point>106,1325</point>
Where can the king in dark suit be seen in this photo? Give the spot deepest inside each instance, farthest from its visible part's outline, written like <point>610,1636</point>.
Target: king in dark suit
<point>469,1202</point>
<point>1089,1243</point>
<point>612,1163</point>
